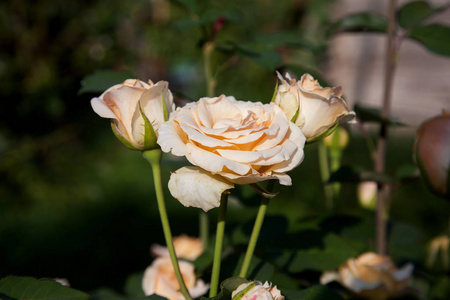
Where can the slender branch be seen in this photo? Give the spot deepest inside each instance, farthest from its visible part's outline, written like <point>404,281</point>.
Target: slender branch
<point>324,168</point>
<point>255,232</point>
<point>218,247</point>
<point>204,229</point>
<point>154,158</point>
<point>380,159</point>
<point>211,83</point>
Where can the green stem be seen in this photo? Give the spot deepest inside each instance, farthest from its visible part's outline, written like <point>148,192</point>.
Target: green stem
<point>325,174</point>
<point>204,229</point>
<point>154,158</point>
<point>208,49</point>
<point>255,232</point>
<point>218,247</point>
<point>335,161</point>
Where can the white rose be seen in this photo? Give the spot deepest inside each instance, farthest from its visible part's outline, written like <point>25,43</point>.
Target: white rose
<point>232,142</point>
<point>136,109</point>
<point>371,276</point>
<point>257,291</point>
<point>159,278</point>
<point>316,110</point>
<point>186,247</point>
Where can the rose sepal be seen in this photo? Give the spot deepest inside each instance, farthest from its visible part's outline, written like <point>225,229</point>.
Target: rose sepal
<point>122,139</point>
<point>323,135</point>
<point>149,132</point>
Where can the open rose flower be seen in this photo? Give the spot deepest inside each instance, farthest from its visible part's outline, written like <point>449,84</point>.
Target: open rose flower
<point>371,276</point>
<point>159,278</point>
<point>231,142</point>
<point>136,109</point>
<point>186,247</point>
<point>256,290</point>
<point>432,153</point>
<point>316,110</point>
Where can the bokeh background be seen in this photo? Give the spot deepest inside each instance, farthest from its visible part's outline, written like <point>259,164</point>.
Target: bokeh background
<point>75,203</point>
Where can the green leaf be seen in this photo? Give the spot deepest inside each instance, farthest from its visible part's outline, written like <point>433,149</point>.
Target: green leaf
<point>434,37</point>
<point>365,21</point>
<point>413,13</point>
<point>336,251</point>
<point>313,293</point>
<point>357,174</point>
<point>266,59</point>
<point>101,80</point>
<point>34,289</point>
<point>370,114</point>
<point>275,92</point>
<point>133,285</point>
<point>109,294</point>
<point>164,105</point>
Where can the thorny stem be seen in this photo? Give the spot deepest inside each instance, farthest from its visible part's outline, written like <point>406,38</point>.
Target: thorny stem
<point>154,158</point>
<point>380,159</point>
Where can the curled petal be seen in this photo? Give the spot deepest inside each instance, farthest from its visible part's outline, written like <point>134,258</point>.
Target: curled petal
<point>195,187</point>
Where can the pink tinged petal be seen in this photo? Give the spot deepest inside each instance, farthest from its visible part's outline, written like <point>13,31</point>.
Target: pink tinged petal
<point>199,289</point>
<point>209,110</point>
<point>195,187</point>
<point>276,134</point>
<point>355,284</point>
<point>213,162</point>
<point>249,157</point>
<point>101,109</point>
<point>170,139</point>
<point>245,138</point>
<point>207,141</point>
<point>151,103</point>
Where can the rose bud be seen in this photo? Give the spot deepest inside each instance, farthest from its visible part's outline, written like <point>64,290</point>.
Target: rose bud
<point>186,247</point>
<point>316,110</point>
<point>371,276</point>
<point>432,153</point>
<point>256,290</point>
<point>136,110</point>
<point>159,278</point>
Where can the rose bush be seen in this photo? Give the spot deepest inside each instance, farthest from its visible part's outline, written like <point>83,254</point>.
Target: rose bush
<point>136,109</point>
<point>257,290</point>
<point>236,141</point>
<point>371,276</point>
<point>159,278</point>
<point>316,110</point>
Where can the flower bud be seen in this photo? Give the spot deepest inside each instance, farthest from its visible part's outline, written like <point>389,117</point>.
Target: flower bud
<point>432,153</point>
<point>367,194</point>
<point>316,110</point>
<point>256,290</point>
<point>136,109</point>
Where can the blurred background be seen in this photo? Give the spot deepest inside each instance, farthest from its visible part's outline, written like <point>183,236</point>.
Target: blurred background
<point>75,203</point>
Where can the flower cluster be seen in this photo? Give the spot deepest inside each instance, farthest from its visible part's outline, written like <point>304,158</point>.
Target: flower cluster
<point>257,290</point>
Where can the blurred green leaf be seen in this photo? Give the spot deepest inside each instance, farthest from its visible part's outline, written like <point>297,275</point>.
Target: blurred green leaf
<point>133,285</point>
<point>101,80</point>
<point>357,174</point>
<point>34,289</point>
<point>413,13</point>
<point>191,5</point>
<point>336,251</point>
<point>284,38</point>
<point>440,289</point>
<point>407,172</point>
<point>109,294</point>
<point>406,242</point>
<point>267,59</point>
<point>313,293</point>
<point>434,37</point>
<point>365,21</point>
<point>370,114</point>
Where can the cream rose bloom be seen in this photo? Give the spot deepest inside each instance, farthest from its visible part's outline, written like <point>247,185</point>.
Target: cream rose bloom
<point>256,290</point>
<point>136,109</point>
<point>186,247</point>
<point>316,110</point>
<point>159,278</point>
<point>371,276</point>
<point>231,142</point>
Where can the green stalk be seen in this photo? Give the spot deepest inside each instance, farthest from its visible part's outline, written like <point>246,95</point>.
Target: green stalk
<point>218,247</point>
<point>154,158</point>
<point>325,174</point>
<point>204,229</point>
<point>255,232</point>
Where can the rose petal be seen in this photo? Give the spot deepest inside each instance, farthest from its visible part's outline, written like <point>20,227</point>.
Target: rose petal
<point>170,139</point>
<point>195,187</point>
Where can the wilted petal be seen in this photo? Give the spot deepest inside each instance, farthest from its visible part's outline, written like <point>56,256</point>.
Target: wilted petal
<point>198,188</point>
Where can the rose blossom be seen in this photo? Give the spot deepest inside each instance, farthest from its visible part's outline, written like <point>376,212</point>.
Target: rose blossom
<point>256,291</point>
<point>316,110</point>
<point>186,247</point>
<point>159,278</point>
<point>232,142</point>
<point>371,276</point>
<point>136,109</point>
<point>432,153</point>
